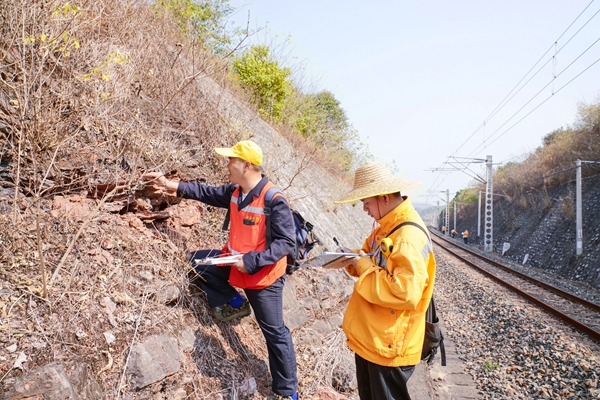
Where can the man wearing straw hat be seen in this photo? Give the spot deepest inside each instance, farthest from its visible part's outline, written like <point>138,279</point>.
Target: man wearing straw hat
<point>260,266</point>
<point>385,319</point>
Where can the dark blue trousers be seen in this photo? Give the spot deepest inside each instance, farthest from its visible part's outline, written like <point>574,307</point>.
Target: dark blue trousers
<point>376,382</point>
<point>267,304</point>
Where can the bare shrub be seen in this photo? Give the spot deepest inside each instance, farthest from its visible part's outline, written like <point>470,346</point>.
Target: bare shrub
<point>554,161</point>
<point>521,202</point>
<point>546,201</point>
<point>567,205</point>
<point>92,95</point>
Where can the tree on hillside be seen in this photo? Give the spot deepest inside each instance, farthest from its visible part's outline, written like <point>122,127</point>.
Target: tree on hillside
<point>279,97</point>
<point>205,19</point>
<point>467,196</point>
<point>321,113</point>
<point>588,117</point>
<point>261,75</point>
<point>553,136</point>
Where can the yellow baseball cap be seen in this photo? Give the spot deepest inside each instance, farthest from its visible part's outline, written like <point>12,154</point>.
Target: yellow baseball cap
<point>246,150</point>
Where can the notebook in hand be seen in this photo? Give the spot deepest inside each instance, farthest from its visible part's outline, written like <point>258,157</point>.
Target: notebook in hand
<point>329,260</point>
<point>227,260</point>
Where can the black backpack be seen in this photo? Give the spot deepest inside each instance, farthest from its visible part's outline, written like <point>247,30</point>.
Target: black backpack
<point>305,240</point>
<point>434,338</point>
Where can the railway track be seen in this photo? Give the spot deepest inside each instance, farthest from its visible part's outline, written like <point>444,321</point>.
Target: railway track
<point>583,315</point>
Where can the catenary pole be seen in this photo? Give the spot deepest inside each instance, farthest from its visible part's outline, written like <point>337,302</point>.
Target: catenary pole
<point>447,221</point>
<point>488,241</point>
<point>578,210</point>
<point>454,205</point>
<point>479,216</point>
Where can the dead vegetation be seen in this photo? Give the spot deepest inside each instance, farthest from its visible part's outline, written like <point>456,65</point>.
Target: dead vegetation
<point>553,162</point>
<point>92,95</point>
<point>526,183</point>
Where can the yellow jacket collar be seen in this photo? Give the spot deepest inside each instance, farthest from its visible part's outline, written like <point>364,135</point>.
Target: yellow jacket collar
<point>400,212</point>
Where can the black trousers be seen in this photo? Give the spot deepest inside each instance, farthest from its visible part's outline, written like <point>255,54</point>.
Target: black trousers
<point>267,304</point>
<point>376,382</point>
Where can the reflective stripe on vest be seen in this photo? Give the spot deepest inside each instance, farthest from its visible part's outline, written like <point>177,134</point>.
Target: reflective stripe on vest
<point>251,236</point>
<point>248,208</point>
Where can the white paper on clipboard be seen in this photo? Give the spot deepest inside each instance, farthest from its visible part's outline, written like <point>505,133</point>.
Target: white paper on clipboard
<point>328,260</point>
<point>228,260</point>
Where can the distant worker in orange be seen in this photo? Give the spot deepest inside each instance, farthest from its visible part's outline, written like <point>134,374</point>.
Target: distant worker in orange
<point>443,230</point>
<point>453,233</point>
<point>465,236</point>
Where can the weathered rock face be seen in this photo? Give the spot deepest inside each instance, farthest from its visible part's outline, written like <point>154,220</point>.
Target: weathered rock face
<point>541,225</point>
<point>69,381</point>
<point>344,375</point>
<point>314,299</point>
<point>152,360</point>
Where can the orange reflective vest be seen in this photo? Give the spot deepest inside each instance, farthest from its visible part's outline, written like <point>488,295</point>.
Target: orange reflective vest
<point>248,232</point>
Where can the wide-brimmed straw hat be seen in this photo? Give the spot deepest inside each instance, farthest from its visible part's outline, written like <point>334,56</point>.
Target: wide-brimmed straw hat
<point>375,179</point>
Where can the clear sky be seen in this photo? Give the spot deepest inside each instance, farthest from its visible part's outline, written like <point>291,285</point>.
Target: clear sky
<point>418,79</point>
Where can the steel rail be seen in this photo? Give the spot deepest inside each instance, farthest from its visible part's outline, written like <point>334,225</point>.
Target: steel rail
<point>592,333</point>
<point>521,275</point>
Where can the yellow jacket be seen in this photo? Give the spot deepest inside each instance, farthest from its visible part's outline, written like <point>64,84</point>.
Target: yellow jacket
<point>385,319</point>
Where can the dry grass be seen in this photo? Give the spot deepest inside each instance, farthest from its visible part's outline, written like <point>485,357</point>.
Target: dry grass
<point>554,161</point>
<point>90,98</point>
<point>567,204</point>
<point>552,164</point>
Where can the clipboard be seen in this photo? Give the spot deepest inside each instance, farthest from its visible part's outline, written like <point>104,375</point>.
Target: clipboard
<point>227,260</point>
<point>328,260</point>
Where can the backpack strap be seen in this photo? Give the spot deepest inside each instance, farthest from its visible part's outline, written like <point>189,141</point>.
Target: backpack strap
<point>228,215</point>
<point>269,196</point>
<point>430,315</point>
<point>409,223</point>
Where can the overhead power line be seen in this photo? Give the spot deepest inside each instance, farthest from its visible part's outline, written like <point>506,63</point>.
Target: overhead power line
<point>553,58</point>
<point>536,107</point>
<point>504,100</point>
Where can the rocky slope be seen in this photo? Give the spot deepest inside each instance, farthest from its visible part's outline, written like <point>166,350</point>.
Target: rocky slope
<point>121,319</point>
<point>95,299</point>
<point>540,228</point>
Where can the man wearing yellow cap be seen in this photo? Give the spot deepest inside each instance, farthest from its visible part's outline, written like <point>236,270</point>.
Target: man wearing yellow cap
<point>260,268</point>
<point>385,319</point>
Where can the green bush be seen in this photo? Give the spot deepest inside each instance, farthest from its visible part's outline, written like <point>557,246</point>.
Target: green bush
<point>321,119</point>
<point>322,113</point>
<point>260,74</point>
<point>467,196</point>
<point>204,19</point>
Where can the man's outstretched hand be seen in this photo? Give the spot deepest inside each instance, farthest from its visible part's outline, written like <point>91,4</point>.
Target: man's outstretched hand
<point>158,184</point>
